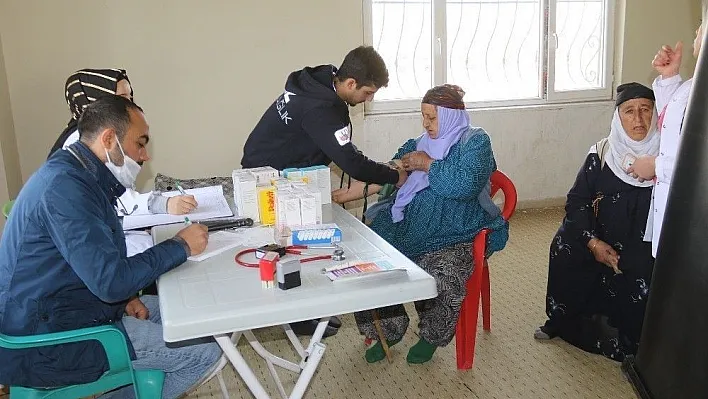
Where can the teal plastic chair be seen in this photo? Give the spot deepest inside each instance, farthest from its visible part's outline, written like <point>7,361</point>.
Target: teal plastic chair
<point>6,208</point>
<point>147,383</point>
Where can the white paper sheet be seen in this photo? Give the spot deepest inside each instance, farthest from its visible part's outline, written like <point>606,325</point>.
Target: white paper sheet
<point>219,242</point>
<point>137,242</point>
<point>211,204</point>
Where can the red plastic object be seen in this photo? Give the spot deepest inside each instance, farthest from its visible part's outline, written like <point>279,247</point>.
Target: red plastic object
<point>478,285</point>
<point>266,266</point>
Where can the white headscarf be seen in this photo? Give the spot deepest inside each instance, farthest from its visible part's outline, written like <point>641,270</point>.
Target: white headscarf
<point>624,150</point>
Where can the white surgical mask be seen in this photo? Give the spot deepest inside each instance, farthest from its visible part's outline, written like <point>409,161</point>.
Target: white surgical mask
<point>127,173</point>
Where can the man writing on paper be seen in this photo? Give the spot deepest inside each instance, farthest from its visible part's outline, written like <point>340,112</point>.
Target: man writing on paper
<point>63,263</point>
<point>671,101</point>
<point>309,125</point>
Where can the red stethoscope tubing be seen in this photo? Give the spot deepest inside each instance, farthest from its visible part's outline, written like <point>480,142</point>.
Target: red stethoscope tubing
<point>290,250</point>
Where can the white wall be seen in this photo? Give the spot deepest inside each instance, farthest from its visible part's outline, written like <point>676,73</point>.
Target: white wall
<point>10,178</point>
<point>650,24</point>
<point>205,71</point>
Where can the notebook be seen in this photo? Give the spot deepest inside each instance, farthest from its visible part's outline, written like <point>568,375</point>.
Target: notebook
<point>211,204</point>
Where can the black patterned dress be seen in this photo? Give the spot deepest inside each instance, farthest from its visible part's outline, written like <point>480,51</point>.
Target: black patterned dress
<point>587,304</point>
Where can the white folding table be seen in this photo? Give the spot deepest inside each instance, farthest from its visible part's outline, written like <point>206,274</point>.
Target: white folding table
<point>217,297</point>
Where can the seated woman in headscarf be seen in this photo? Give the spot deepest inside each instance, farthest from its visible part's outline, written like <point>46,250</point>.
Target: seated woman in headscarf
<point>600,267</point>
<point>84,87</point>
<point>433,219</point>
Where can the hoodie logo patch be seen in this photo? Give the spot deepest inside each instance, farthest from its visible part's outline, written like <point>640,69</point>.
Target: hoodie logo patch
<point>343,136</point>
<point>280,106</point>
<point>286,96</point>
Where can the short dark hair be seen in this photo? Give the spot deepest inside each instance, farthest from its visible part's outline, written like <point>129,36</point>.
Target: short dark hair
<point>365,66</point>
<point>107,112</point>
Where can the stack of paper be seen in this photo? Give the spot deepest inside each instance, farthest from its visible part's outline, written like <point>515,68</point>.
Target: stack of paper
<point>211,204</point>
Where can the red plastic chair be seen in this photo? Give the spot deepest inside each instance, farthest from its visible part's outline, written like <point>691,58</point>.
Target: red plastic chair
<point>478,284</point>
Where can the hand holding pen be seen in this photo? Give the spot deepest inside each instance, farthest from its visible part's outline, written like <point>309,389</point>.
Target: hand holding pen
<point>195,235</point>
<point>181,204</point>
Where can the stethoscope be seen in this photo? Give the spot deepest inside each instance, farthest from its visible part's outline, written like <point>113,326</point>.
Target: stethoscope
<point>337,255</point>
<point>123,211</point>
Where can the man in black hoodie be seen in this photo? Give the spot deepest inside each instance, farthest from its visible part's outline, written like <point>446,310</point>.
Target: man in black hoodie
<point>309,125</point>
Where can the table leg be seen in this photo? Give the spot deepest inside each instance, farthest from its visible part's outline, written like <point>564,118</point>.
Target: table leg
<point>317,336</point>
<point>313,361</point>
<point>294,340</point>
<point>222,386</point>
<point>311,358</point>
<point>263,352</point>
<point>240,365</point>
<point>223,361</point>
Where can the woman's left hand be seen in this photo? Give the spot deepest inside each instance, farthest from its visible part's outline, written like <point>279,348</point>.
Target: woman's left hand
<point>416,160</point>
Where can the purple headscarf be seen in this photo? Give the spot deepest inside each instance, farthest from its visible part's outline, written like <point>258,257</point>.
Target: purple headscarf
<point>452,123</point>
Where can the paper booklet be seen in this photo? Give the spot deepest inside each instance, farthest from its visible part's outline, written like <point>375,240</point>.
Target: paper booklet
<point>350,270</point>
<point>211,204</point>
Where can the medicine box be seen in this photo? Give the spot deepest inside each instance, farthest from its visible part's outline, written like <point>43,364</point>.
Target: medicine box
<point>324,183</point>
<point>281,225</point>
<point>245,196</point>
<point>308,209</point>
<point>264,175</point>
<point>315,192</point>
<point>287,213</point>
<point>312,176</point>
<point>293,174</point>
<point>292,211</point>
<point>266,204</point>
<point>318,234</point>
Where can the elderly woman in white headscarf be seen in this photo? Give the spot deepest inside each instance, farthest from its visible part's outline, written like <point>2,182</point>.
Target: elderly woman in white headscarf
<point>599,265</point>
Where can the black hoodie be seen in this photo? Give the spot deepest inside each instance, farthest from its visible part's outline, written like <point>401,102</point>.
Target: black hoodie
<point>309,125</point>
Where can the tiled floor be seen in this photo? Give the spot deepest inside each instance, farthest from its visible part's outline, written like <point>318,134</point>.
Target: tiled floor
<point>508,362</point>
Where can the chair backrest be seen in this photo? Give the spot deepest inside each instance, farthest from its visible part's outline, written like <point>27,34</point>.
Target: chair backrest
<point>146,383</point>
<point>7,207</point>
<point>500,181</point>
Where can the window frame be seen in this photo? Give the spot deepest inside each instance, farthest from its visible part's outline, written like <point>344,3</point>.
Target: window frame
<point>547,48</point>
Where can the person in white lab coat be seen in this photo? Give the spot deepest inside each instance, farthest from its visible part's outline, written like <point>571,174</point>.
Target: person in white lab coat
<point>82,88</point>
<point>671,93</point>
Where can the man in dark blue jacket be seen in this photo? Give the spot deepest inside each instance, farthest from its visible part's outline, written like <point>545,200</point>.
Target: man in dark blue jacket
<point>63,263</point>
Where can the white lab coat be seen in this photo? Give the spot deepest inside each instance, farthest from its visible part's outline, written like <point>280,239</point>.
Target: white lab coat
<point>672,94</point>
